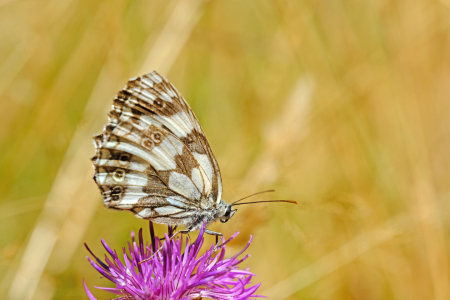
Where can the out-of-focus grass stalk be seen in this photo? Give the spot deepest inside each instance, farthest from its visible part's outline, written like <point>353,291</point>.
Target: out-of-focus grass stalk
<point>173,37</point>
<point>289,128</point>
<point>425,208</point>
<point>335,260</point>
<point>20,206</point>
<point>349,252</point>
<point>14,64</point>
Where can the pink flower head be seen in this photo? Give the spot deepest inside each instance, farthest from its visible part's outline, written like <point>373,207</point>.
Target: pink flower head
<point>171,273</point>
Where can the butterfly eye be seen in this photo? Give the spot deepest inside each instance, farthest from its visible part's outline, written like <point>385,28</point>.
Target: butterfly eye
<point>148,143</point>
<point>156,137</point>
<point>119,175</point>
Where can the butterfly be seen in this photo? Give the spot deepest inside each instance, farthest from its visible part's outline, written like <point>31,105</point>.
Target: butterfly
<point>154,159</point>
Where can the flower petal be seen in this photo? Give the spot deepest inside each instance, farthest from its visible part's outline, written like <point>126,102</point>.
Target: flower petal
<point>88,292</point>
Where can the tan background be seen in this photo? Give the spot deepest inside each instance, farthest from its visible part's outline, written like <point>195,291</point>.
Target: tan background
<point>341,105</point>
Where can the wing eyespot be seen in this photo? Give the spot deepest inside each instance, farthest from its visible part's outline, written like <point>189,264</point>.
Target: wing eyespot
<point>156,137</point>
<point>124,158</point>
<point>116,192</point>
<point>119,175</point>
<point>147,143</point>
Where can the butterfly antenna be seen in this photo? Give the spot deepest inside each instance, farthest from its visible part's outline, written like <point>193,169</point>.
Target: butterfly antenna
<point>287,201</point>
<point>268,191</point>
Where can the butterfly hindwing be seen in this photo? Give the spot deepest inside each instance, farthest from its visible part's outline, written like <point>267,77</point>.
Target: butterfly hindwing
<point>152,157</point>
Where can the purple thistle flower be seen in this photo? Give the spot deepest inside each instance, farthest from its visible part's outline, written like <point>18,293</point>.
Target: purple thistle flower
<point>172,274</point>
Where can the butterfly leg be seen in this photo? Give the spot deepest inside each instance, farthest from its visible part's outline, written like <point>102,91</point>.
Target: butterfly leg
<point>174,228</point>
<point>218,235</point>
<point>179,231</point>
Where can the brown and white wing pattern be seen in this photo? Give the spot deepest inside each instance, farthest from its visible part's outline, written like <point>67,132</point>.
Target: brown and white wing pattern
<point>152,157</point>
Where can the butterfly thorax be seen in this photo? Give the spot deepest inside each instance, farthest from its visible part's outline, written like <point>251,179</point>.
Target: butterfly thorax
<point>222,211</point>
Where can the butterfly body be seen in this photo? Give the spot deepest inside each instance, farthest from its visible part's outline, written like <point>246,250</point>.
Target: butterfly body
<point>154,160</point>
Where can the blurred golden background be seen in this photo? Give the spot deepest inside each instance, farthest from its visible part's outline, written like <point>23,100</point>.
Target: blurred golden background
<point>341,105</point>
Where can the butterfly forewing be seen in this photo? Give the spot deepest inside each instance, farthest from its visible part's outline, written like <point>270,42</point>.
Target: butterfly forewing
<point>152,157</point>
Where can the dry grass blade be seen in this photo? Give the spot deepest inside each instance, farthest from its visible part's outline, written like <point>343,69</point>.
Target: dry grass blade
<point>289,128</point>
<point>347,253</point>
<point>173,36</point>
<point>16,207</point>
<point>286,131</point>
<point>331,262</point>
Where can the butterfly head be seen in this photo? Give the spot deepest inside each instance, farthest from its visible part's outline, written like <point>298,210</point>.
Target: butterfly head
<point>225,211</point>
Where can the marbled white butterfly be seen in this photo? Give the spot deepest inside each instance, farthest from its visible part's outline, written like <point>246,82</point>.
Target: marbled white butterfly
<point>154,159</point>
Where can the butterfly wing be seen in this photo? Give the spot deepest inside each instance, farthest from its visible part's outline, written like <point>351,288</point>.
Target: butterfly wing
<point>153,157</point>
